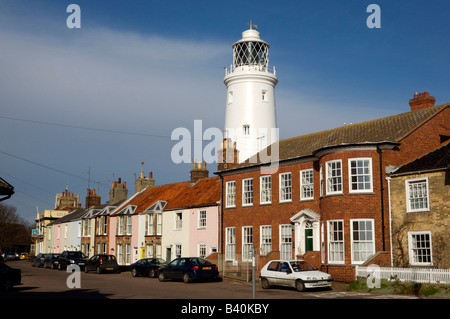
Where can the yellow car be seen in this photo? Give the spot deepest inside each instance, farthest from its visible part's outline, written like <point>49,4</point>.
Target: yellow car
<point>23,255</point>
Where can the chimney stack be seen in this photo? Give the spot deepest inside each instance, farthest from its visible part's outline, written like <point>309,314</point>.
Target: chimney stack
<point>118,192</point>
<point>92,199</point>
<point>143,182</point>
<point>421,101</point>
<point>198,171</point>
<point>228,155</point>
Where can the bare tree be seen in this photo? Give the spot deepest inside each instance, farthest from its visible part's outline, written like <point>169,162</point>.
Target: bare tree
<point>14,230</point>
<point>400,243</point>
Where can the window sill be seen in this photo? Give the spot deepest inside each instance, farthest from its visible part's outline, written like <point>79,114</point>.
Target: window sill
<point>418,211</point>
<point>265,204</point>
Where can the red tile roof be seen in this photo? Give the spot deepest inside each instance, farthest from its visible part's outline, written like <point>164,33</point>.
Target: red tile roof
<point>206,192</point>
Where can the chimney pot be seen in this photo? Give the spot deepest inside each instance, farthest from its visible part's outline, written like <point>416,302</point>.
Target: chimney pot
<point>421,101</point>
<point>119,180</point>
<point>150,175</point>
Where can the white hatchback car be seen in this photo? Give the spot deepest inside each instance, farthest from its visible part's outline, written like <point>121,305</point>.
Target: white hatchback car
<point>293,273</point>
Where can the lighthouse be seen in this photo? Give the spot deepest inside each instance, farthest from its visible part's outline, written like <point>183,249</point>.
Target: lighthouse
<point>250,117</point>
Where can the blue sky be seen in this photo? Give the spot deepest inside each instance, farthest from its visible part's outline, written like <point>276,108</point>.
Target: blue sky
<point>148,67</point>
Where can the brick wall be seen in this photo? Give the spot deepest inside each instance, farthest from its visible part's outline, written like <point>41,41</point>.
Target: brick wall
<point>346,206</point>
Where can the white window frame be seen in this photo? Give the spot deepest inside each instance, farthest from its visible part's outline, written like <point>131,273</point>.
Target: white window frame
<point>158,224</point>
<point>150,230</point>
<point>285,190</point>
<point>178,222</point>
<point>120,226</point>
<point>265,240</point>
<point>285,241</point>
<point>149,250</point>
<point>119,249</point>
<point>105,225</point>
<point>230,243</point>
<point>357,175</point>
<point>329,178</point>
<point>247,243</point>
<point>201,250</point>
<point>202,219</point>
<point>247,192</point>
<point>265,183</point>
<point>362,240</point>
<point>230,195</point>
<point>129,229</point>
<point>178,252</point>
<point>336,242</point>
<point>306,174</point>
<point>246,130</point>
<point>411,249</point>
<point>127,254</point>
<point>411,181</point>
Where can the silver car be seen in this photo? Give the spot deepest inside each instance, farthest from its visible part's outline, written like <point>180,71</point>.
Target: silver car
<point>293,273</point>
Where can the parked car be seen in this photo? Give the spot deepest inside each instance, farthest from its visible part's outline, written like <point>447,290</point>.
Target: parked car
<point>38,260</point>
<point>10,256</point>
<point>189,268</point>
<point>51,261</point>
<point>9,277</point>
<point>102,263</point>
<point>23,256</point>
<point>147,267</point>
<point>293,273</point>
<point>70,258</point>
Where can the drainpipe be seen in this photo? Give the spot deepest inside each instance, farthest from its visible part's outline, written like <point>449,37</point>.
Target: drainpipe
<point>380,152</point>
<point>388,178</point>
<point>221,217</point>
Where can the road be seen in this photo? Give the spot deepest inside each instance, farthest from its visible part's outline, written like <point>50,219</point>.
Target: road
<point>46,283</point>
<point>104,293</point>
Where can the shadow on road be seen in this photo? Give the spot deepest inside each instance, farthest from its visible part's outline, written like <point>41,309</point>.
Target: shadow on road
<point>28,293</point>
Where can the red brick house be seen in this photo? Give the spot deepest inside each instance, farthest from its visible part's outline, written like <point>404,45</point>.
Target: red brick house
<point>327,202</point>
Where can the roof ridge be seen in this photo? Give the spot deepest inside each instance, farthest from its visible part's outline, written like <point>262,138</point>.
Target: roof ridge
<point>436,107</point>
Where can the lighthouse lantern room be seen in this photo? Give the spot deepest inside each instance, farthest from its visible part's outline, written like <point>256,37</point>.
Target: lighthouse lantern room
<point>250,117</point>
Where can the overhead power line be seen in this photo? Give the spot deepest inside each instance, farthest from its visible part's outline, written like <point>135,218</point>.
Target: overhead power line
<point>45,166</point>
<point>83,127</point>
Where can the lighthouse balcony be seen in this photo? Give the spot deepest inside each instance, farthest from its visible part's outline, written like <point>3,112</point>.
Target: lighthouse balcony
<point>250,68</point>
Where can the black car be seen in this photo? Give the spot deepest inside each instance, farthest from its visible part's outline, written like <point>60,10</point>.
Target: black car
<point>70,258</point>
<point>147,267</point>
<point>189,268</point>
<point>51,261</point>
<point>9,277</point>
<point>102,263</point>
<point>38,260</point>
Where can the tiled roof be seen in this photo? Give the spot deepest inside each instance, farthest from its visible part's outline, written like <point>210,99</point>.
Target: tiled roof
<point>437,159</point>
<point>205,192</point>
<point>148,196</point>
<point>388,129</point>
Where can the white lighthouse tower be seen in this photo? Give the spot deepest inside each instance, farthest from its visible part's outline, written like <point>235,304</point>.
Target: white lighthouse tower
<point>250,118</point>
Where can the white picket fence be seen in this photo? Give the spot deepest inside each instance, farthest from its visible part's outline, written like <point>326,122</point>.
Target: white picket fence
<point>420,275</point>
